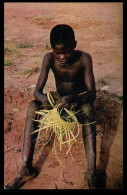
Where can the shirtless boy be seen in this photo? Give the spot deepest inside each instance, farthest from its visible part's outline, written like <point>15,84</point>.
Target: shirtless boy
<point>73,74</point>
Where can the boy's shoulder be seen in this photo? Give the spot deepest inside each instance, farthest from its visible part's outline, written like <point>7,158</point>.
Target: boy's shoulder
<point>84,54</point>
<point>48,59</point>
<point>48,55</point>
<point>84,57</point>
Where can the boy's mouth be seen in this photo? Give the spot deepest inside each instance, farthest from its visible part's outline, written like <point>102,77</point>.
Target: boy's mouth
<point>63,61</point>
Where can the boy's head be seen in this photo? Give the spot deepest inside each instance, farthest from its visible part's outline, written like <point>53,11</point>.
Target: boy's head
<point>63,42</point>
<point>62,35</point>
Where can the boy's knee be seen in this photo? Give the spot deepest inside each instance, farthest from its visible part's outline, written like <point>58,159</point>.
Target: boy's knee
<point>87,113</point>
<point>32,107</point>
<point>32,104</point>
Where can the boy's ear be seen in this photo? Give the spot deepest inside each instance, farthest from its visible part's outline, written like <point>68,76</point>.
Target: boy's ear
<point>74,44</point>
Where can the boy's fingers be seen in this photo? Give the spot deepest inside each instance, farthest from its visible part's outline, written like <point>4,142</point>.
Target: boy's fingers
<point>63,105</point>
<point>66,105</point>
<point>59,102</point>
<point>60,105</point>
<point>46,104</point>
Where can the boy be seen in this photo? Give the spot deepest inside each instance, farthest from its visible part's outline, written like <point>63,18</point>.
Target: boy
<point>73,75</point>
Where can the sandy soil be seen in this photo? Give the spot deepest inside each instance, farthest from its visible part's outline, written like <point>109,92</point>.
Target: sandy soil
<point>98,31</point>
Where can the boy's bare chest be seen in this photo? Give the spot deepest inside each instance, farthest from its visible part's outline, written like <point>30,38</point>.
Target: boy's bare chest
<point>65,72</point>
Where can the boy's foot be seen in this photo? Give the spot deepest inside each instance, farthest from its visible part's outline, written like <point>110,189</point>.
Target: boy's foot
<point>101,179</point>
<point>91,180</point>
<point>23,176</point>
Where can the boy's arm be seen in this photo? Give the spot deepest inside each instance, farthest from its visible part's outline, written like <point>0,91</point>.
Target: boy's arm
<point>38,92</point>
<point>89,85</point>
<point>89,79</point>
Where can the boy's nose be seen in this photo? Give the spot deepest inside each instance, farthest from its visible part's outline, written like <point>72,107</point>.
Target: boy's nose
<point>62,56</point>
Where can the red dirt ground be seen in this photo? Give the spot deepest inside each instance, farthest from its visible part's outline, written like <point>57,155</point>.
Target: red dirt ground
<point>98,31</point>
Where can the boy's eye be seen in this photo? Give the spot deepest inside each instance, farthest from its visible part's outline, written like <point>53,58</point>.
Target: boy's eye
<point>68,52</point>
<point>56,53</point>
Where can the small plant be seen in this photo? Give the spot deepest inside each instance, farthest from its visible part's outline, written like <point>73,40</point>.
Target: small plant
<point>14,50</point>
<point>25,44</point>
<point>8,62</point>
<point>6,50</point>
<point>41,19</point>
<point>101,81</point>
<point>30,71</point>
<point>38,20</point>
<point>99,63</point>
<point>121,97</point>
<point>25,71</point>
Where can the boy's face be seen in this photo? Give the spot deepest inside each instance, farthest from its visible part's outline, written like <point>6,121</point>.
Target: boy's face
<point>62,54</point>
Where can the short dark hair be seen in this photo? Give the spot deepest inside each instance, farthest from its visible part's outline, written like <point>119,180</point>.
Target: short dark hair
<point>62,34</point>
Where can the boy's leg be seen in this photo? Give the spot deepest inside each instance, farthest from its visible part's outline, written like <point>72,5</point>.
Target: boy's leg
<point>27,171</point>
<point>30,139</point>
<point>89,139</point>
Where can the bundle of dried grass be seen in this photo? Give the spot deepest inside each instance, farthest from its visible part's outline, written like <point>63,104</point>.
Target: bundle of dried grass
<point>61,123</point>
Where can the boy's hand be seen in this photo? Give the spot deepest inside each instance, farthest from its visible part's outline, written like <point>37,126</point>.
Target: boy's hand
<point>66,101</point>
<point>45,102</point>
